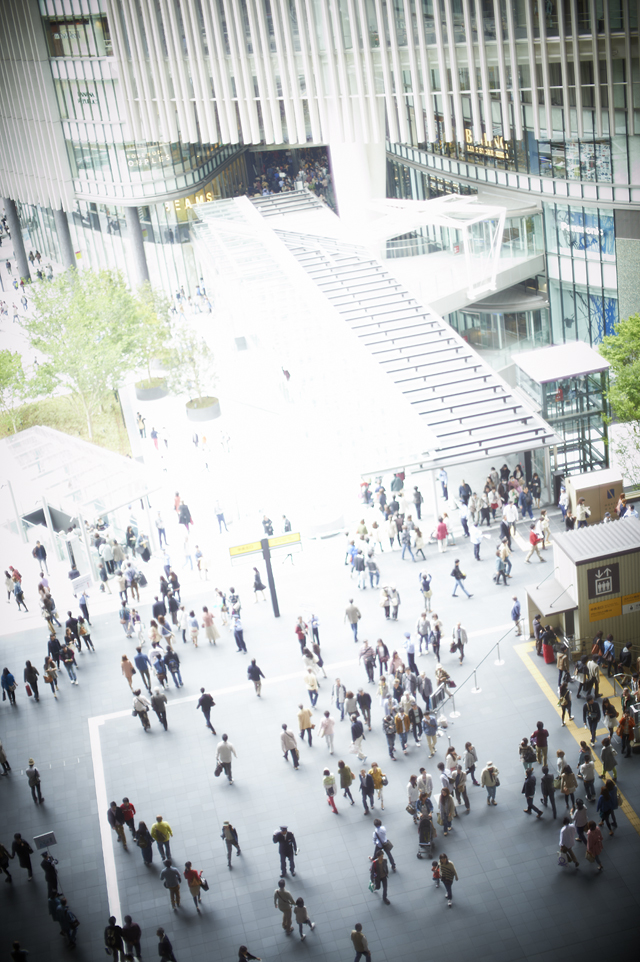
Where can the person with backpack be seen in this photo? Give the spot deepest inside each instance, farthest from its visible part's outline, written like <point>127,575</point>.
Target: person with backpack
<point>229,836</point>
<point>113,940</point>
<point>68,921</point>
<point>527,754</point>
<point>591,715</point>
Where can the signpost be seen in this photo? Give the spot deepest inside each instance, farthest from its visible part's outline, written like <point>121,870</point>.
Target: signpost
<point>241,554</point>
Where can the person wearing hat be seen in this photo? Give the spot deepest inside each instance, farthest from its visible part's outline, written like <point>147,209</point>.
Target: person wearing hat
<point>230,837</point>
<point>286,842</point>
<point>33,776</point>
<point>489,780</point>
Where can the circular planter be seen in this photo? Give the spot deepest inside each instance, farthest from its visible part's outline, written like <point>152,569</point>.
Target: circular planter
<point>203,409</point>
<point>152,390</point>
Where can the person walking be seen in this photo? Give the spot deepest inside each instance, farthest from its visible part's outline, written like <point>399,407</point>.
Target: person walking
<point>286,842</point>
<point>379,873</point>
<point>311,681</point>
<point>564,702</point>
<point>470,760</point>
<point>459,640</point>
<point>302,917</point>
<point>4,864</point>
<point>289,744</point>
<point>353,616</point>
<point>116,819</point>
<point>224,754</point>
<point>172,880</point>
<point>489,780</point>
<point>141,708</point>
<point>144,841</point>
<point>357,737</point>
<point>568,785</point>
<point>229,836</point>
<point>162,834</point>
<point>159,705</point>
<point>535,543</point>
<point>113,940</point>
<point>33,777</point>
<point>30,676</point>
<point>381,841</point>
<point>128,670</point>
<point>446,810</point>
<point>547,787</point>
<point>254,674</point>
<point>165,949</point>
<point>607,804</point>
<point>131,935</point>
<point>529,791</point>
<point>172,663</point>
<point>459,579</point>
<point>329,784</point>
<point>195,884</point>
<point>607,757</point>
<point>360,943</point>
<point>327,728</point>
<point>238,633</point>
<point>591,715</point>
<point>305,724</point>
<point>208,623</point>
<point>284,901</point>
<point>4,762</point>
<point>568,840</point>
<point>367,788</point>
<point>448,874</point>
<point>205,703</point>
<point>540,740</point>
<point>594,844</point>
<point>346,779</point>
<point>23,850</point>
<point>625,732</point>
<point>363,699</point>
<point>143,665</point>
<point>516,613</point>
<point>68,921</point>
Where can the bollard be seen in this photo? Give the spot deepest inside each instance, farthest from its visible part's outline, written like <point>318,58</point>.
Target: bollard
<point>454,713</point>
<point>475,690</point>
<point>499,661</point>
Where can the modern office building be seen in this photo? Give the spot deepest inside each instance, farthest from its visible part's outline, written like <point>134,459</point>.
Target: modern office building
<point>117,116</point>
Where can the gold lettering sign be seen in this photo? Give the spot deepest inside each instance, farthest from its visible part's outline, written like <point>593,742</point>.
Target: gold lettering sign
<point>185,203</point>
<point>488,148</point>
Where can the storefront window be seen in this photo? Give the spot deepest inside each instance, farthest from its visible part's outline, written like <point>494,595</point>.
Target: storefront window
<point>78,37</point>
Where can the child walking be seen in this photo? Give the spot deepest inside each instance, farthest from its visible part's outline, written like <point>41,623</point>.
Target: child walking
<point>302,917</point>
<point>435,873</point>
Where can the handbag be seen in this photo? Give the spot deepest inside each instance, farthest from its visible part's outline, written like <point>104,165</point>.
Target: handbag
<point>561,859</point>
<point>385,780</point>
<point>589,857</point>
<point>372,886</point>
<point>411,809</point>
<point>557,783</point>
<point>497,782</point>
<point>28,689</point>
<point>439,819</point>
<point>204,884</point>
<point>218,770</point>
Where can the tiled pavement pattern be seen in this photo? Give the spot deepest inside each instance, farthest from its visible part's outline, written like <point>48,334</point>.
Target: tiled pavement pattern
<point>512,901</point>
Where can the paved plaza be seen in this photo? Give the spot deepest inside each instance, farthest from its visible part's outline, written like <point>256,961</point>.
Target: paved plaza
<point>512,901</point>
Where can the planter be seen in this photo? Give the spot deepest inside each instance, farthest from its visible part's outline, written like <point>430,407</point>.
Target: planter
<point>203,409</point>
<point>152,390</point>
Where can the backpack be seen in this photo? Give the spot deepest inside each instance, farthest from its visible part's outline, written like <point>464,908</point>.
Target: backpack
<point>426,582</point>
<point>529,754</point>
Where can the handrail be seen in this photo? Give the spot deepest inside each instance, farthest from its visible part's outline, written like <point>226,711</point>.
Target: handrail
<point>552,603</point>
<point>547,576</point>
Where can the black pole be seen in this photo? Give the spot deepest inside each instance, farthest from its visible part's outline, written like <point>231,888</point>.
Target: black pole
<point>266,554</point>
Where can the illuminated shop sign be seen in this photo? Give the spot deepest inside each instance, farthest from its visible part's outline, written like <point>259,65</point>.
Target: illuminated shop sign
<point>496,148</point>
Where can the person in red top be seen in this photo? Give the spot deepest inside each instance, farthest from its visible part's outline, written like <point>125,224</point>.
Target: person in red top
<point>534,541</point>
<point>625,731</point>
<point>540,739</point>
<point>194,881</point>
<point>301,631</point>
<point>128,811</point>
<point>441,535</point>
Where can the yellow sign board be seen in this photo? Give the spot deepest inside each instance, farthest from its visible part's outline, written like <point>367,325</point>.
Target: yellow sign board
<point>283,540</point>
<point>630,603</point>
<point>609,608</point>
<point>249,548</point>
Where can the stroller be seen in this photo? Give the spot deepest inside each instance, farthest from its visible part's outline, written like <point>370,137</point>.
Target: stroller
<point>426,834</point>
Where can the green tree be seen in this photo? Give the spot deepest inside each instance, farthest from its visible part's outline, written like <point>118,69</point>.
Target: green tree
<point>13,384</point>
<point>191,371</point>
<point>86,324</point>
<point>153,330</point>
<point>622,350</point>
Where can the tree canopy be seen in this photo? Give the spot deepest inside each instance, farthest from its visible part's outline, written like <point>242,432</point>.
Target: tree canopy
<point>622,350</point>
<point>13,383</point>
<point>87,325</point>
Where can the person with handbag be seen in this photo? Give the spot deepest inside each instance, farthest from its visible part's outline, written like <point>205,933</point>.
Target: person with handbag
<point>144,841</point>
<point>230,837</point>
<point>568,785</point>
<point>381,841</point>
<point>379,781</point>
<point>195,883</point>
<point>329,783</point>
<point>31,679</point>
<point>9,686</point>
<point>165,949</point>
<point>141,708</point>
<point>379,873</point>
<point>489,780</point>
